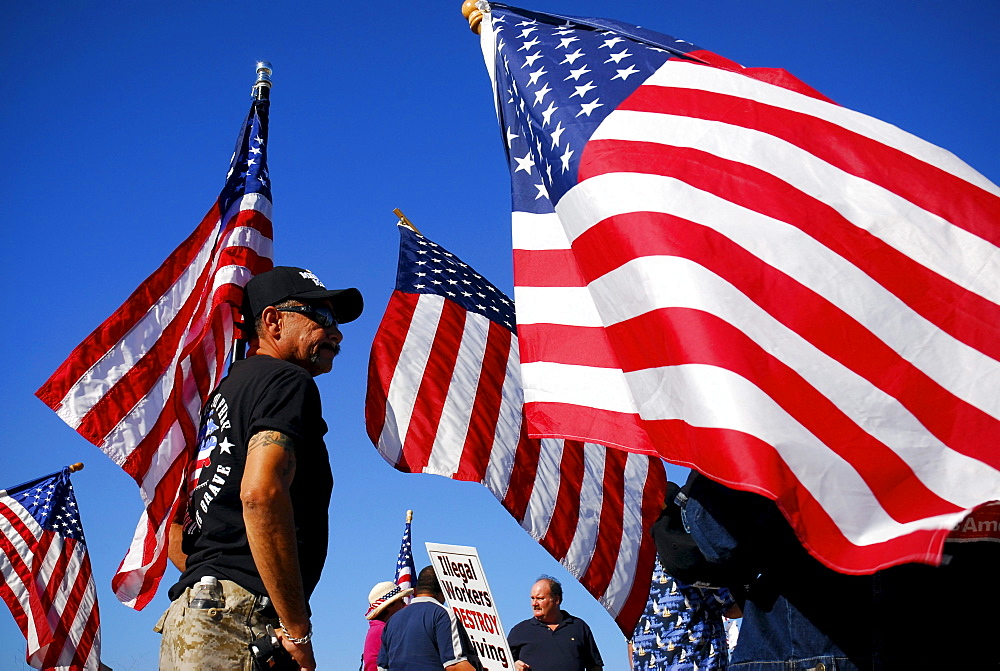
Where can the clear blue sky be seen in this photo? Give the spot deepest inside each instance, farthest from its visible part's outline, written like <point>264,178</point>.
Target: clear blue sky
<point>118,122</point>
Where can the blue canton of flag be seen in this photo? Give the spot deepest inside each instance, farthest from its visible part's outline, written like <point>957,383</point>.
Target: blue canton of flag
<point>427,268</point>
<point>571,76</point>
<point>52,503</point>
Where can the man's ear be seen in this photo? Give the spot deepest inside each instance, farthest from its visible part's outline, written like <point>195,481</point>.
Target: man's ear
<point>270,323</point>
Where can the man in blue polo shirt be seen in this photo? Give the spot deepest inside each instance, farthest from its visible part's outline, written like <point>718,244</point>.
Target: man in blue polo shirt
<point>426,636</point>
<point>553,640</point>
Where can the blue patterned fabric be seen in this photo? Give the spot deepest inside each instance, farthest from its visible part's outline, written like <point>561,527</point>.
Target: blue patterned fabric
<point>681,629</point>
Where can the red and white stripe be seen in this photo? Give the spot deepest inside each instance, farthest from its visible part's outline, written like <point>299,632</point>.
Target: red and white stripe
<point>49,588</point>
<point>444,397</point>
<point>792,297</point>
<point>136,385</point>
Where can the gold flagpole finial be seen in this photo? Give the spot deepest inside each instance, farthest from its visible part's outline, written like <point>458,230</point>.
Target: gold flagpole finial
<point>78,466</point>
<point>409,516</point>
<point>405,222</point>
<point>472,12</point>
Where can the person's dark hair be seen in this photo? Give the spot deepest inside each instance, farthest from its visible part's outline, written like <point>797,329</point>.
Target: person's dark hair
<point>427,582</point>
<point>288,302</point>
<point>555,587</point>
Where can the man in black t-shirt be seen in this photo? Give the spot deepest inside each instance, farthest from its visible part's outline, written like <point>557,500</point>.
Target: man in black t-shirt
<point>257,515</point>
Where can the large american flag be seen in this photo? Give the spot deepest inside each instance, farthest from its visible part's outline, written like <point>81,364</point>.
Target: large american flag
<point>136,385</point>
<point>444,397</point>
<point>720,266</point>
<point>47,581</point>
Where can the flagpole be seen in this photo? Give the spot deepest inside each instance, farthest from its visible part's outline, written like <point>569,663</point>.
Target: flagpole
<point>409,513</point>
<point>409,224</point>
<point>261,91</point>
<point>73,468</point>
<point>471,11</point>
<point>262,87</point>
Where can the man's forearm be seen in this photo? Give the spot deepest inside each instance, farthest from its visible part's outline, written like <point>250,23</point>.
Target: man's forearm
<point>270,526</point>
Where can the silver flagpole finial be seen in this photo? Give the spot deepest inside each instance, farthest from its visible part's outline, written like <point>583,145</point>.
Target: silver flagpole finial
<point>262,87</point>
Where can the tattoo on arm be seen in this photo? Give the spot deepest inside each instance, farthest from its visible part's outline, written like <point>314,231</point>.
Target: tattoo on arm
<point>276,438</point>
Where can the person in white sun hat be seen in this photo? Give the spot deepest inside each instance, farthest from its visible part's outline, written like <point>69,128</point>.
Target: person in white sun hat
<point>383,601</point>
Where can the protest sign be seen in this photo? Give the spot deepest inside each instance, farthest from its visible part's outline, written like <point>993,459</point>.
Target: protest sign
<point>463,582</point>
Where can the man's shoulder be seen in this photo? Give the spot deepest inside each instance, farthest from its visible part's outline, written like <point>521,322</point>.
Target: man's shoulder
<point>259,364</point>
<point>261,372</point>
<point>419,610</point>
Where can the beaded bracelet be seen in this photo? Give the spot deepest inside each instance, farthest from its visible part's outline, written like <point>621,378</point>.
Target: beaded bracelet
<point>297,641</point>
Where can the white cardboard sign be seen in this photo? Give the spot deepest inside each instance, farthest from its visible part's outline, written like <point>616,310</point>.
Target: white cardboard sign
<point>463,582</point>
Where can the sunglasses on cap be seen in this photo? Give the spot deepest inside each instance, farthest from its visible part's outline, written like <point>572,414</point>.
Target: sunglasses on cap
<point>320,314</point>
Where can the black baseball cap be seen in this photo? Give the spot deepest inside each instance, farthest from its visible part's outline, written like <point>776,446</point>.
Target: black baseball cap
<point>285,282</point>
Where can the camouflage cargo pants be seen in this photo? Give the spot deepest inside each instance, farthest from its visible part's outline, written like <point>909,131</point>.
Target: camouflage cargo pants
<point>196,639</point>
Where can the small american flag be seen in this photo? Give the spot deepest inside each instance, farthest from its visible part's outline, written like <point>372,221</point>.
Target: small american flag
<point>444,397</point>
<point>48,584</point>
<point>405,571</point>
<point>719,265</point>
<point>136,385</point>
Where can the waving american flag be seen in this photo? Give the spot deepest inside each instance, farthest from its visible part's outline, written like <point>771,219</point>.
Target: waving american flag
<point>444,397</point>
<point>47,581</point>
<point>136,385</point>
<point>719,265</point>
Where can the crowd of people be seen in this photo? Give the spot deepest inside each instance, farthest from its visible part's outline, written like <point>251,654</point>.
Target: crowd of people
<point>427,636</point>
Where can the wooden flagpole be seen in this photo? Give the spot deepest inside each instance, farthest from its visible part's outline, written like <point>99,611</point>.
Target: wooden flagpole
<point>471,11</point>
<point>406,222</point>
